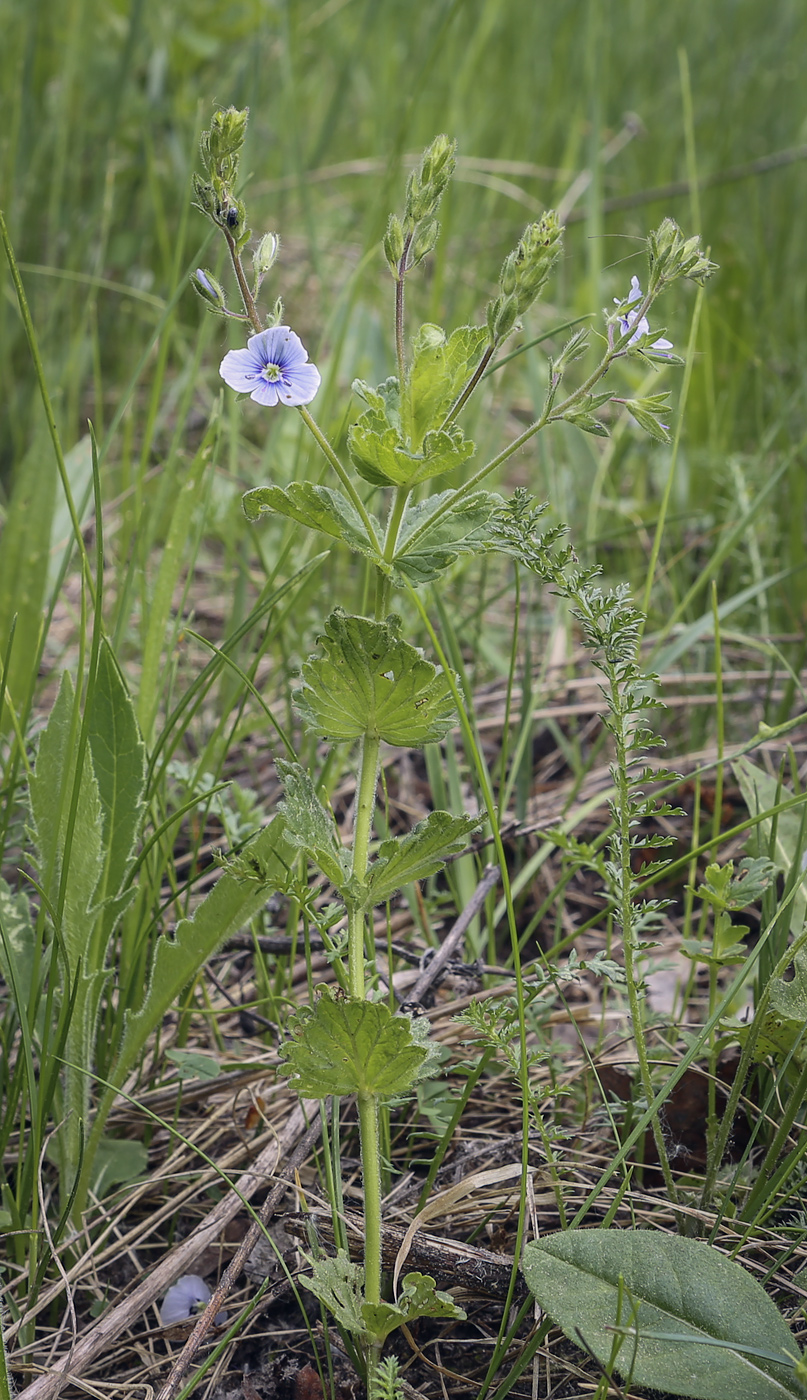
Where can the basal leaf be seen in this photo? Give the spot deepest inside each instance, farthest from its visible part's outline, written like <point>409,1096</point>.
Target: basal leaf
<point>420,853</point>
<point>317,507</point>
<point>352,1047</point>
<point>440,369</point>
<point>461,530</point>
<point>339,1284</point>
<point>670,1285</point>
<point>238,894</point>
<point>760,792</point>
<point>418,1297</point>
<point>18,945</point>
<point>119,765</point>
<point>309,826</point>
<point>779,1029</point>
<point>371,682</point>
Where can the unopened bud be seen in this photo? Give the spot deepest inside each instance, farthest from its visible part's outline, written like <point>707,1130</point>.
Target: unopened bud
<point>205,196</point>
<point>527,268</point>
<point>672,256</point>
<point>426,235</point>
<point>227,131</point>
<point>426,185</point>
<point>265,255</point>
<point>502,314</point>
<point>394,245</point>
<point>208,288</point>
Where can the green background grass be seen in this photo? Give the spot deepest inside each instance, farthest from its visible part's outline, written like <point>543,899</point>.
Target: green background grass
<point>104,103</point>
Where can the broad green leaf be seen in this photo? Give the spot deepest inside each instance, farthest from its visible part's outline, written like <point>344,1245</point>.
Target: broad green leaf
<point>309,826</point>
<point>382,457</point>
<point>779,1030</point>
<point>339,1284</point>
<point>119,765</point>
<point>240,892</point>
<point>370,682</point>
<point>461,530</point>
<point>384,402</point>
<point>317,507</point>
<point>669,1285</point>
<point>760,792</point>
<point>24,561</point>
<point>193,1065</point>
<point>352,1047</point>
<point>418,1297</point>
<point>420,853</point>
<point>117,1161</point>
<point>51,789</point>
<point>440,369</point>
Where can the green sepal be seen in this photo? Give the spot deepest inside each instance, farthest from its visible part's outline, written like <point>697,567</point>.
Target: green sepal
<point>422,852</point>
<point>418,1297</point>
<point>352,1047</point>
<point>441,367</point>
<point>369,682</point>
<point>310,827</point>
<point>582,415</point>
<point>461,530</point>
<point>318,508</point>
<point>648,411</point>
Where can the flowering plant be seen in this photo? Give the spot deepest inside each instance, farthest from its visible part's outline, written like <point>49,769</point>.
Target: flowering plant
<point>367,685</point>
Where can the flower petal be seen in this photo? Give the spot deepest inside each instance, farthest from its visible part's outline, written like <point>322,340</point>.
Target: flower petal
<point>239,369</point>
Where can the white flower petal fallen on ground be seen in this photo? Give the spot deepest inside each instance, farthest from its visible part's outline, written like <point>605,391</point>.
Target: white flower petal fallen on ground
<point>187,1298</point>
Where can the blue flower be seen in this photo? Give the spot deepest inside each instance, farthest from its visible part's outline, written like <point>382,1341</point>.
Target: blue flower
<point>632,320</point>
<point>273,369</point>
<point>185,1299</point>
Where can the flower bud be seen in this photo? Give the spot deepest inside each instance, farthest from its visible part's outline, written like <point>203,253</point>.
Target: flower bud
<point>502,315</point>
<point>426,235</point>
<point>265,255</point>
<point>394,245</point>
<point>208,288</point>
<point>425,186</point>
<point>227,131</point>
<point>205,196</point>
<point>672,256</point>
<point>527,268</point>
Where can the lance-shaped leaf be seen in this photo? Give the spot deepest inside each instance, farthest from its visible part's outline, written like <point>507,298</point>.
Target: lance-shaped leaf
<point>418,1298</point>
<point>370,682</point>
<point>420,853</point>
<point>317,507</point>
<point>309,826</point>
<point>440,370</point>
<point>382,457</point>
<point>696,1323</point>
<point>461,530</point>
<point>352,1047</point>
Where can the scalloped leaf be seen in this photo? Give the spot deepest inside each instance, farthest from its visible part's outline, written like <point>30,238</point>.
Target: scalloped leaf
<point>309,826</point>
<point>440,369</point>
<point>381,456</point>
<point>318,508</point>
<point>461,530</point>
<point>422,852</point>
<point>371,682</point>
<point>418,1297</point>
<point>704,1327</point>
<point>352,1047</point>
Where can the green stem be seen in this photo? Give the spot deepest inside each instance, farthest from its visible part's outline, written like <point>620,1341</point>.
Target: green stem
<point>243,286</point>
<point>325,447</point>
<point>371,1177</point>
<point>464,395</point>
<point>365,808</point>
<point>626,915</point>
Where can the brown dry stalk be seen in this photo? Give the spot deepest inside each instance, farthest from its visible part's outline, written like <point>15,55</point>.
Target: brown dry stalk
<point>292,1145</point>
